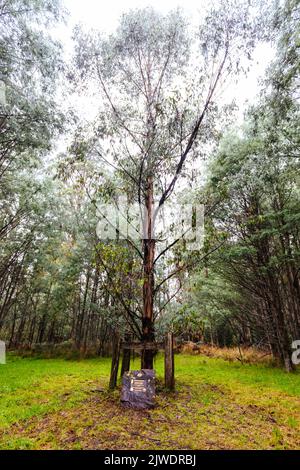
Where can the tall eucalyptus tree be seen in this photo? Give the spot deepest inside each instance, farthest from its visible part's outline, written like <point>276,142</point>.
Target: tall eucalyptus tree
<point>159,82</point>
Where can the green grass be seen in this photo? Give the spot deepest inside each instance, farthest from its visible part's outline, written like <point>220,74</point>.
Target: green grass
<point>30,387</point>
<point>225,372</point>
<point>59,404</point>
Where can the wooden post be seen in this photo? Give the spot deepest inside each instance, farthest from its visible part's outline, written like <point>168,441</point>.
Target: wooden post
<point>169,363</point>
<point>115,362</point>
<point>126,355</point>
<point>125,361</point>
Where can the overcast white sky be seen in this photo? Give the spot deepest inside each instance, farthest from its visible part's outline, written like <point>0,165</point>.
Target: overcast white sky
<point>104,15</point>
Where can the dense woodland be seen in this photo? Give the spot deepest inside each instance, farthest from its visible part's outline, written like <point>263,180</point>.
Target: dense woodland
<point>163,130</point>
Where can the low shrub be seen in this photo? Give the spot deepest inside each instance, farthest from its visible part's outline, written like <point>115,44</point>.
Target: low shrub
<point>243,354</point>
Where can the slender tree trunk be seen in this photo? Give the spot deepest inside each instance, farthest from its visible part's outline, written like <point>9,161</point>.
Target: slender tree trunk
<point>10,344</point>
<point>79,335</point>
<point>148,286</point>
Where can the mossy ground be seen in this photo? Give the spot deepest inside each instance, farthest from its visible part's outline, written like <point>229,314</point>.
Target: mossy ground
<point>58,404</point>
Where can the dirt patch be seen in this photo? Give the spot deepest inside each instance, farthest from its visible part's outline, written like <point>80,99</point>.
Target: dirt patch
<point>209,420</point>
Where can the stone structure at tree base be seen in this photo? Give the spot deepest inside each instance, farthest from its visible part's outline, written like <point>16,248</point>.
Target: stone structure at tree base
<point>138,389</point>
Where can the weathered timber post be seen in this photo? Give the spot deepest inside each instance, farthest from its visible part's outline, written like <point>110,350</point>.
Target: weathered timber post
<point>169,362</point>
<point>125,361</point>
<point>115,362</point>
<point>126,354</point>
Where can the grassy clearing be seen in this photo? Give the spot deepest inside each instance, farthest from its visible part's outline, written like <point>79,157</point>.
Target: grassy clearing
<point>58,404</point>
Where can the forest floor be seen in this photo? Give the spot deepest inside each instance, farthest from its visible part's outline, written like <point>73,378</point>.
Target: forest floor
<point>218,404</point>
